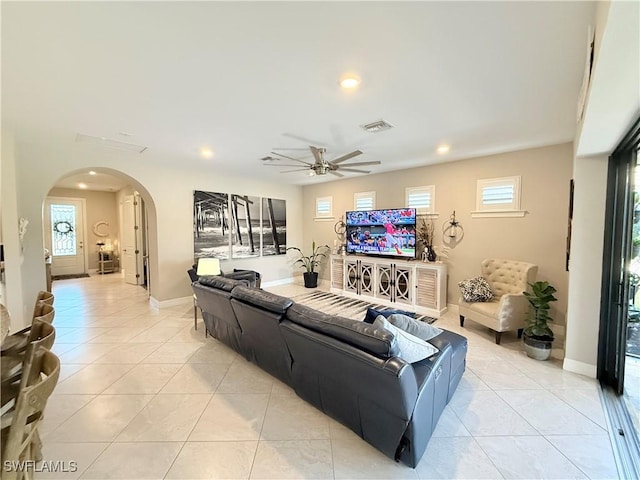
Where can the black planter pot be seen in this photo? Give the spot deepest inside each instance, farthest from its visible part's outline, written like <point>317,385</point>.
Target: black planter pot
<point>310,279</point>
<point>536,348</point>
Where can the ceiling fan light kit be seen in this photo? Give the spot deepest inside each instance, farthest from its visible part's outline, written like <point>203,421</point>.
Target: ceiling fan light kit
<point>321,166</point>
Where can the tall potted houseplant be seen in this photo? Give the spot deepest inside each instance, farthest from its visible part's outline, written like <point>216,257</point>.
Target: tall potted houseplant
<point>311,262</point>
<point>538,337</point>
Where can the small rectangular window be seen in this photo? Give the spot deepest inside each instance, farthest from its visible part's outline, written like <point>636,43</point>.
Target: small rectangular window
<point>498,197</point>
<point>364,201</point>
<point>324,207</point>
<point>421,198</point>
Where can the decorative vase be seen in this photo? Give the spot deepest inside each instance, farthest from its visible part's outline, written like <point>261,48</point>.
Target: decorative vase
<point>537,349</point>
<point>429,254</point>
<point>310,279</point>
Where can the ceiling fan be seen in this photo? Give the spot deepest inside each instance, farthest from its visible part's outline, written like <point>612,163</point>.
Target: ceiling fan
<point>322,166</point>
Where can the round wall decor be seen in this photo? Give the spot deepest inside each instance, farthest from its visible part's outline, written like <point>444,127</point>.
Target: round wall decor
<point>101,229</point>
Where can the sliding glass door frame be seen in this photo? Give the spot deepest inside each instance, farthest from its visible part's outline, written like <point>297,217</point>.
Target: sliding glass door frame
<point>614,302</point>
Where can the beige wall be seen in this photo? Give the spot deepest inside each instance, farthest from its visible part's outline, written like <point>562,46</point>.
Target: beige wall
<point>17,304</point>
<point>167,188</point>
<point>585,281</point>
<point>101,206</point>
<point>539,237</point>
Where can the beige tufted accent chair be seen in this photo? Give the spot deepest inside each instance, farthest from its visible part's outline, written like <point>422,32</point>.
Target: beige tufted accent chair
<point>507,311</point>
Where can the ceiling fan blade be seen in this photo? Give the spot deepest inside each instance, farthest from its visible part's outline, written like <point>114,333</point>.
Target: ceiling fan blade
<point>291,158</point>
<point>333,172</point>
<point>296,170</point>
<point>353,170</point>
<point>302,139</point>
<point>292,149</point>
<point>341,159</point>
<point>362,164</point>
<point>316,153</point>
<point>279,165</point>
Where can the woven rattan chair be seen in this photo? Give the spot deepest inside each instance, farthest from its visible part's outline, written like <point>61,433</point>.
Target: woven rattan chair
<point>20,425</point>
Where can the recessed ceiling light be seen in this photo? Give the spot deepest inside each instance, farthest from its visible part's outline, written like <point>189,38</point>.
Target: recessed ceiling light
<point>349,82</point>
<point>82,185</point>
<point>442,149</point>
<point>206,152</point>
<point>91,172</point>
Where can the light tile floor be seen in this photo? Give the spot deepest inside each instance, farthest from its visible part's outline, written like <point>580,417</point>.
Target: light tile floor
<point>143,395</point>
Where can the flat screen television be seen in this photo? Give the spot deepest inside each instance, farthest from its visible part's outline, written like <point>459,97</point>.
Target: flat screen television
<point>382,232</point>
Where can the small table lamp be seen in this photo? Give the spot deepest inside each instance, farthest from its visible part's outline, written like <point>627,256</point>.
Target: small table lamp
<point>208,266</point>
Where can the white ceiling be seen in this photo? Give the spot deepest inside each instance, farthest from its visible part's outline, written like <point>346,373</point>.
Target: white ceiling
<point>245,77</point>
<point>100,182</point>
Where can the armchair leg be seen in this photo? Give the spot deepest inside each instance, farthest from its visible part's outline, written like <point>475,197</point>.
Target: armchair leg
<point>462,320</point>
<point>520,330</point>
<point>498,337</point>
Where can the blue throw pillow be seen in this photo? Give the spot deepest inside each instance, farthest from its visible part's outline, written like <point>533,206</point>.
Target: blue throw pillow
<point>372,314</point>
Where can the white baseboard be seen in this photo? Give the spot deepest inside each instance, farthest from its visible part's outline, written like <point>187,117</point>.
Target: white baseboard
<point>170,303</point>
<point>453,308</point>
<point>275,283</point>
<point>580,367</point>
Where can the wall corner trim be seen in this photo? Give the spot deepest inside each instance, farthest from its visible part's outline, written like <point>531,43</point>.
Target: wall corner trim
<point>579,367</point>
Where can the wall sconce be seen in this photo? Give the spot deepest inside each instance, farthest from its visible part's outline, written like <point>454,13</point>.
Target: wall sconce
<point>452,228</point>
<point>208,266</point>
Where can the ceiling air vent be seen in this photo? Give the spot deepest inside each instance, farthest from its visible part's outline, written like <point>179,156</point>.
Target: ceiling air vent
<point>375,127</point>
<point>109,143</point>
<point>269,158</point>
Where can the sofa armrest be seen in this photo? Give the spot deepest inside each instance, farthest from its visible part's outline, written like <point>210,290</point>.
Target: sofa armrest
<point>512,311</point>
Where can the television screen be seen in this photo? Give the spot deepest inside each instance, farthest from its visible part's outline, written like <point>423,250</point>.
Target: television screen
<point>382,232</point>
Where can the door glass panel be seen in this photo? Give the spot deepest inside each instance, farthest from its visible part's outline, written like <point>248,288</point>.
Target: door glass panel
<point>632,362</point>
<point>63,230</point>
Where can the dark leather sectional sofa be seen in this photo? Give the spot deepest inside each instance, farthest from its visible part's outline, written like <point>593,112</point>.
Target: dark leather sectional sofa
<point>347,368</point>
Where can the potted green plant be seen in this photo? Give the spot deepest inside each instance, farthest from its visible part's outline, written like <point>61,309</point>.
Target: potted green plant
<point>311,262</point>
<point>538,337</point>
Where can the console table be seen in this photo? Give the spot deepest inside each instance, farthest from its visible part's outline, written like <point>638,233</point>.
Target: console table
<point>392,282</point>
<point>105,262</point>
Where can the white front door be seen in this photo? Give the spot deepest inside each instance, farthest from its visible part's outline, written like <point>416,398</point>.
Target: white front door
<point>64,235</point>
<point>131,244</point>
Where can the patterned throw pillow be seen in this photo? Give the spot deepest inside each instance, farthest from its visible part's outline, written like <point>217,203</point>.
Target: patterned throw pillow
<point>476,290</point>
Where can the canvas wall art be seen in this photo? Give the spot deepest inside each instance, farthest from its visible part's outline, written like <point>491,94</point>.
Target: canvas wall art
<point>238,226</point>
<point>210,225</point>
<point>274,226</point>
<point>245,226</point>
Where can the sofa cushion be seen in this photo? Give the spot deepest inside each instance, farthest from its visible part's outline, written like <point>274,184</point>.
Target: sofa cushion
<point>412,348</point>
<point>372,314</point>
<point>415,327</point>
<point>222,283</point>
<point>376,341</point>
<point>260,298</point>
<point>476,290</point>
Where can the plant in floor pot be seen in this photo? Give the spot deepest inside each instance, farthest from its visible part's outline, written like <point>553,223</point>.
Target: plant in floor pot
<point>538,337</point>
<point>311,262</point>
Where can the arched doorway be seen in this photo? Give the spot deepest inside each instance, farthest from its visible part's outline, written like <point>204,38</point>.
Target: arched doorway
<point>101,220</point>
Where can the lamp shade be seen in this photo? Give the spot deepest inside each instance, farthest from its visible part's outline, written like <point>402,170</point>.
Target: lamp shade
<point>208,266</point>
